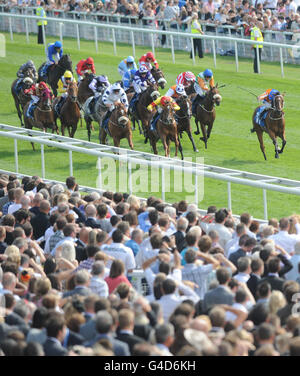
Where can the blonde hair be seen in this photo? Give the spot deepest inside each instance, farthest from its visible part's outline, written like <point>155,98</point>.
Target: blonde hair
<point>134,202</point>
<point>276,301</point>
<point>42,286</point>
<point>13,254</point>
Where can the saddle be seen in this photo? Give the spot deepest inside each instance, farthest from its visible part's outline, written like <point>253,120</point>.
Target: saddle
<point>30,110</point>
<point>260,116</point>
<point>18,86</point>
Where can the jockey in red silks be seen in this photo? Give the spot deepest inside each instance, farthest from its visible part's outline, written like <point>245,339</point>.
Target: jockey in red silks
<point>147,60</point>
<point>84,66</point>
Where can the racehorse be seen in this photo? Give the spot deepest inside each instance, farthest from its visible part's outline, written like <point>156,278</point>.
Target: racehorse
<point>20,98</point>
<point>166,131</point>
<point>275,125</point>
<point>97,115</point>
<point>141,112</point>
<point>190,91</point>
<point>69,113</point>
<point>84,92</point>
<point>159,77</point>
<point>206,113</point>
<point>43,116</point>
<point>183,117</point>
<point>56,71</point>
<point>119,126</point>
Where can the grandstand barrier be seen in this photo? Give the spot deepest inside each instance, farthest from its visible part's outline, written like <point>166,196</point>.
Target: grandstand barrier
<point>194,172</point>
<point>91,30</point>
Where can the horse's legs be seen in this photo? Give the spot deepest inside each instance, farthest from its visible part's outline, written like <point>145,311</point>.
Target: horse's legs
<point>180,148</point>
<point>102,136</point>
<point>192,140</point>
<point>283,142</point>
<point>129,138</point>
<point>153,142</point>
<point>209,129</point>
<point>197,125</point>
<point>274,139</point>
<point>116,141</point>
<point>88,127</point>
<point>17,103</point>
<point>204,138</point>
<point>259,134</point>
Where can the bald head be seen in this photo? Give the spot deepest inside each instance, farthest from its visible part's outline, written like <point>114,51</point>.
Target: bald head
<point>9,281</point>
<point>91,211</point>
<point>25,202</point>
<point>200,324</point>
<point>84,234</point>
<point>37,199</point>
<point>45,206</point>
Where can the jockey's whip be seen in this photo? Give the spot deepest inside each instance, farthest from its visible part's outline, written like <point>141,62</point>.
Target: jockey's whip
<point>248,91</point>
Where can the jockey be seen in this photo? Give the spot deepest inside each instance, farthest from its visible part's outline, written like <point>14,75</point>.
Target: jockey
<point>84,66</point>
<point>139,82</point>
<point>267,97</point>
<point>25,67</point>
<point>176,91</point>
<point>114,93</point>
<point>186,79</point>
<point>147,59</point>
<point>35,92</point>
<point>127,65</point>
<point>98,84</point>
<point>160,103</point>
<point>28,82</point>
<point>54,53</point>
<point>204,79</point>
<point>63,84</point>
<point>127,79</point>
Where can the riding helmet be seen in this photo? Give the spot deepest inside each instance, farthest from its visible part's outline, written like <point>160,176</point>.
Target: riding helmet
<point>28,80</point>
<point>165,100</point>
<point>180,89</point>
<point>208,73</point>
<point>68,74</point>
<point>30,63</point>
<point>116,86</point>
<point>143,69</point>
<point>58,44</point>
<point>150,55</point>
<point>130,59</point>
<point>89,61</point>
<point>189,76</point>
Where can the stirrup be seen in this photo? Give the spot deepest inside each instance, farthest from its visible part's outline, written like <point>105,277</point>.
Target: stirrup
<point>252,130</point>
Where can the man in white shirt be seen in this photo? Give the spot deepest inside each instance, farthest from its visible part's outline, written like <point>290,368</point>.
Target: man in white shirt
<point>119,251</point>
<point>283,238</point>
<point>170,300</point>
<point>19,193</point>
<point>220,218</point>
<point>244,269</point>
<point>233,244</point>
<point>97,283</point>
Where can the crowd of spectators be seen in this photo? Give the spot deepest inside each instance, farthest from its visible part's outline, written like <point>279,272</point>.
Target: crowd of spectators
<point>213,284</point>
<point>275,15</point>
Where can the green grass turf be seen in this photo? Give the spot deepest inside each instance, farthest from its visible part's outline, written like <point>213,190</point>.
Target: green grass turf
<point>231,145</point>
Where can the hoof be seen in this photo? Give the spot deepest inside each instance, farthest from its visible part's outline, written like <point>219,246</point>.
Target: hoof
<point>196,132</point>
<point>276,156</point>
<point>280,151</point>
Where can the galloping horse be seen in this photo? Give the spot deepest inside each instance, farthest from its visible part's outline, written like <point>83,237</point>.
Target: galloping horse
<point>20,98</point>
<point>159,77</point>
<point>190,91</point>
<point>99,112</point>
<point>55,71</point>
<point>166,131</point>
<point>119,126</point>
<point>206,113</point>
<point>275,125</point>
<point>183,117</point>
<point>69,113</point>
<point>141,113</point>
<point>84,92</point>
<point>43,116</point>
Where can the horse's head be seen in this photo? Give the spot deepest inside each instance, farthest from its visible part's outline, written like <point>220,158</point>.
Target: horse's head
<point>215,95</point>
<point>152,91</point>
<point>159,77</point>
<point>46,98</point>
<point>66,63</point>
<point>167,115</point>
<point>72,91</point>
<point>278,103</point>
<point>185,105</point>
<point>121,114</point>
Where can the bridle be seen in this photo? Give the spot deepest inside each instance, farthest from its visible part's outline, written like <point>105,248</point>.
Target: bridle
<point>275,109</point>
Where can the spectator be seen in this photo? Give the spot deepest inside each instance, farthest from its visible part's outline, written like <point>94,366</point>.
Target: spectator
<point>97,283</point>
<point>116,276</point>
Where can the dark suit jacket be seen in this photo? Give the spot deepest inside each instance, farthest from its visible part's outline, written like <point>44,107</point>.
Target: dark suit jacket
<point>3,247</point>
<point>275,282</point>
<point>180,240</point>
<point>40,223</point>
<point>52,348</point>
<point>35,210</point>
<point>236,255</point>
<point>88,330</point>
<point>92,223</point>
<point>284,313</point>
<point>252,283</point>
<point>219,295</point>
<point>80,251</point>
<point>119,348</point>
<point>130,339</point>
<point>74,339</point>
